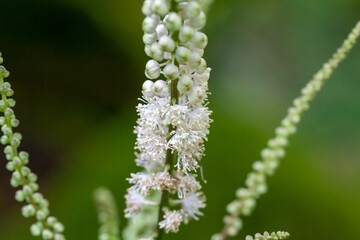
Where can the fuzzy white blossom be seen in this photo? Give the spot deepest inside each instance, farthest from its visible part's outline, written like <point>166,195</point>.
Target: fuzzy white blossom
<point>191,205</point>
<point>135,202</point>
<point>172,221</point>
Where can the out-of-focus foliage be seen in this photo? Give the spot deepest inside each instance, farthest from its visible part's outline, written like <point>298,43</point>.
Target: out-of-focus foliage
<point>77,69</point>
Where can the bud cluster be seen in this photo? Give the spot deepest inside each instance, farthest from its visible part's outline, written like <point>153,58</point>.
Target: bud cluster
<point>37,206</point>
<point>108,215</point>
<point>255,182</point>
<point>269,236</point>
<point>173,121</point>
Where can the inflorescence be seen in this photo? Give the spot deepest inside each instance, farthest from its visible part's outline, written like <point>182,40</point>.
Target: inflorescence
<point>269,236</point>
<point>173,118</point>
<point>255,182</point>
<point>108,215</point>
<point>48,227</point>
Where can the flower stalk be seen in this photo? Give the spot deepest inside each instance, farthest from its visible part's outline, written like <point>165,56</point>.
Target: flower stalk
<point>255,184</point>
<point>269,236</point>
<point>173,118</point>
<point>46,226</point>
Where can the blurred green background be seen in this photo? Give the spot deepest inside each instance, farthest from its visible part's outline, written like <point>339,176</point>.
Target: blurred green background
<point>77,70</point>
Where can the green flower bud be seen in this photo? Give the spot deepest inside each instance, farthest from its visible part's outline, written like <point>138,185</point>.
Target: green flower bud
<point>161,7</point>
<point>161,31</point>
<point>152,69</point>
<point>182,54</point>
<point>156,52</point>
<point>185,83</point>
<point>192,10</point>
<point>202,67</point>
<point>59,236</point>
<point>36,229</point>
<point>147,50</point>
<point>149,24</point>
<point>199,40</point>
<point>34,186</point>
<point>161,88</point>
<point>186,33</point>
<point>6,130</point>
<point>171,71</point>
<point>14,183</point>
<point>147,87</point>
<point>195,59</point>
<point>11,102</point>
<point>10,166</point>
<point>173,21</point>
<point>58,227</point>
<point>41,215</point>
<point>4,72</point>
<point>32,177</point>
<point>9,112</point>
<point>47,234</point>
<point>199,21</point>
<point>9,92</point>
<point>27,191</point>
<point>167,43</point>
<point>28,210</point>
<point>147,7</point>
<point>149,38</point>
<point>4,140</point>
<point>51,220</point>
<point>24,156</point>
<point>2,105</point>
<point>16,176</point>
<point>243,193</point>
<point>15,141</point>
<point>19,196</point>
<point>14,122</point>
<point>2,121</point>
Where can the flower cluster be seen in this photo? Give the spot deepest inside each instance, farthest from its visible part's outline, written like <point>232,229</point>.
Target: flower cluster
<point>173,119</point>
<point>269,236</point>
<point>270,156</point>
<point>22,177</point>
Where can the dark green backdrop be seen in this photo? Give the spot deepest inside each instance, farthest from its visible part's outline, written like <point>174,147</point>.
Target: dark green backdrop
<point>77,69</point>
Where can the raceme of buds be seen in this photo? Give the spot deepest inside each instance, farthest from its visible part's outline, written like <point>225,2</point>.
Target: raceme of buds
<point>255,184</point>
<point>269,236</point>
<point>37,206</point>
<point>173,119</point>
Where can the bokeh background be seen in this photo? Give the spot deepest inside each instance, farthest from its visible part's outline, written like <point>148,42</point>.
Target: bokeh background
<point>77,70</point>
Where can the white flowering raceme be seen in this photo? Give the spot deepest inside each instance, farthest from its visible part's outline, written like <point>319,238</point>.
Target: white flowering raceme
<point>173,119</point>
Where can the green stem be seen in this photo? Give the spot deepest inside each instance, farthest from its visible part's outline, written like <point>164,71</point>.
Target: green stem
<point>169,162</point>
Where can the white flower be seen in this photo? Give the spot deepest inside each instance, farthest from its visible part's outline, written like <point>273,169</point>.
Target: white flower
<point>162,181</point>
<point>191,205</point>
<point>187,184</point>
<point>135,203</point>
<point>152,131</point>
<point>172,221</point>
<point>142,183</point>
<point>191,132</point>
